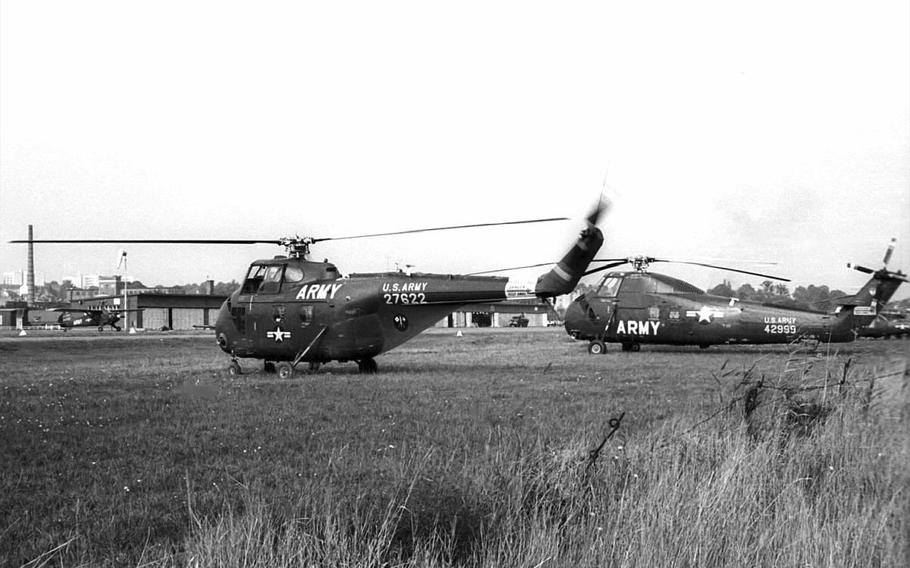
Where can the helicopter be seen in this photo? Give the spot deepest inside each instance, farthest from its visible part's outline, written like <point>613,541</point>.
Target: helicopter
<point>639,307</point>
<point>80,317</point>
<point>291,310</point>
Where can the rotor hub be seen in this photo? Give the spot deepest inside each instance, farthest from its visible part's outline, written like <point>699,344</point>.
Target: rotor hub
<point>297,247</point>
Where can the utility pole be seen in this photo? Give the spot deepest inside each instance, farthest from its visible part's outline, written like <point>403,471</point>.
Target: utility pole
<point>30,277</point>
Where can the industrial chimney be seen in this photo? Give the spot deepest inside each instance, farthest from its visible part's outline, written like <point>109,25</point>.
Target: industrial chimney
<point>30,277</point>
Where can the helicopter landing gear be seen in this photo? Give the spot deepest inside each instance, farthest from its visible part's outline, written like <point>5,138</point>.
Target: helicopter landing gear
<point>367,366</point>
<point>314,366</point>
<point>631,347</point>
<point>597,347</point>
<point>704,345</point>
<point>234,368</point>
<point>285,370</point>
<point>100,328</point>
<point>269,367</point>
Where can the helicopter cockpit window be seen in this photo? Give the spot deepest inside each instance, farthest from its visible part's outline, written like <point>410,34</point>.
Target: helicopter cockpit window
<point>635,283</point>
<point>253,279</point>
<point>610,286</point>
<point>271,282</point>
<point>293,274</point>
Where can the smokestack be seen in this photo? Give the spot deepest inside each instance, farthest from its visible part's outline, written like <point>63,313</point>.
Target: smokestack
<point>30,277</point>
<point>209,287</point>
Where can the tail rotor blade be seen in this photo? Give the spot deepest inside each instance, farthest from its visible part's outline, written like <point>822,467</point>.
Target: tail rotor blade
<point>862,269</point>
<point>888,252</point>
<point>594,216</point>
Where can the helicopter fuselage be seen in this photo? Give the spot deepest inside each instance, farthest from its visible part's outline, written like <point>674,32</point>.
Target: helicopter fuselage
<point>634,308</point>
<point>293,310</point>
<point>689,319</point>
<point>342,318</point>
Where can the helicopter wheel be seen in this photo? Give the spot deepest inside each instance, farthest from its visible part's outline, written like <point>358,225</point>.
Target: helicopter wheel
<point>631,347</point>
<point>367,366</point>
<point>597,348</point>
<point>234,369</point>
<point>314,366</point>
<point>284,370</point>
<point>268,367</point>
<point>704,346</point>
<point>100,328</point>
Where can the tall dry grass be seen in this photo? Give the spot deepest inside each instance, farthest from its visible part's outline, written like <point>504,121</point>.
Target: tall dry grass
<point>790,471</point>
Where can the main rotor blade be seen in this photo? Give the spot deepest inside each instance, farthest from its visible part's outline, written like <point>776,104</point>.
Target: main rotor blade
<point>410,231</point>
<point>154,241</point>
<point>610,260</point>
<point>607,266</point>
<point>510,268</point>
<point>723,268</point>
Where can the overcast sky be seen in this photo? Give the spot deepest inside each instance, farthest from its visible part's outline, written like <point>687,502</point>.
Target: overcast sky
<point>775,131</point>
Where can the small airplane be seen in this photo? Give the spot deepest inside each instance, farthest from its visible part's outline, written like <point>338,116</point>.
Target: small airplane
<point>640,307</point>
<point>291,310</point>
<point>81,317</point>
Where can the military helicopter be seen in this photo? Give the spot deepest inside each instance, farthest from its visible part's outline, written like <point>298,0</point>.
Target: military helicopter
<point>80,317</point>
<point>290,310</point>
<point>639,307</point>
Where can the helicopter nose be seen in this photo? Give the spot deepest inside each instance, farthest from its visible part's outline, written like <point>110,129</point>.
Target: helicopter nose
<point>222,329</point>
<point>573,319</point>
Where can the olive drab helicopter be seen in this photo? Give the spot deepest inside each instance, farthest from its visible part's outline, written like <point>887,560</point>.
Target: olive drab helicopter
<point>291,310</point>
<point>639,307</point>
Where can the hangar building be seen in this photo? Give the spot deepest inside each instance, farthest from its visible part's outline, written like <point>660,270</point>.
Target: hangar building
<point>171,311</point>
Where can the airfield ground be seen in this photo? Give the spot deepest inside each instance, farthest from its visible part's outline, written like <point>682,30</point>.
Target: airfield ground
<point>121,449</point>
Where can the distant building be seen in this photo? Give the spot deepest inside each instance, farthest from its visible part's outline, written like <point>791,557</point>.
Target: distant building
<point>89,281</point>
<point>18,278</point>
<point>501,314</point>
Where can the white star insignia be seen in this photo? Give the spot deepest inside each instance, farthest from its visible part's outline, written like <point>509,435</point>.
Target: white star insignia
<point>705,314</point>
<point>278,335</point>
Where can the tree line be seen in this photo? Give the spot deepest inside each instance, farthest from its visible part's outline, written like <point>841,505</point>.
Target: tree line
<point>812,297</point>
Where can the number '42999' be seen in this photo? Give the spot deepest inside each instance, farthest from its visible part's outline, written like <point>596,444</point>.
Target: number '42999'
<point>780,329</point>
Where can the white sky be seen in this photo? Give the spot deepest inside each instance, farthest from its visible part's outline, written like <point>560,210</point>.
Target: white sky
<point>774,131</point>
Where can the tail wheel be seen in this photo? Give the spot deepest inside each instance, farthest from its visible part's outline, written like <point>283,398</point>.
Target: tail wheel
<point>597,348</point>
<point>234,369</point>
<point>367,366</point>
<point>284,370</point>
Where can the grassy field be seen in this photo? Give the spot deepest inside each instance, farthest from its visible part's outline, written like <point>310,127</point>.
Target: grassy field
<point>463,451</point>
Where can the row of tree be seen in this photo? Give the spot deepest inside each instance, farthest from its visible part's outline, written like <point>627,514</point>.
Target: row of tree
<point>810,297</point>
